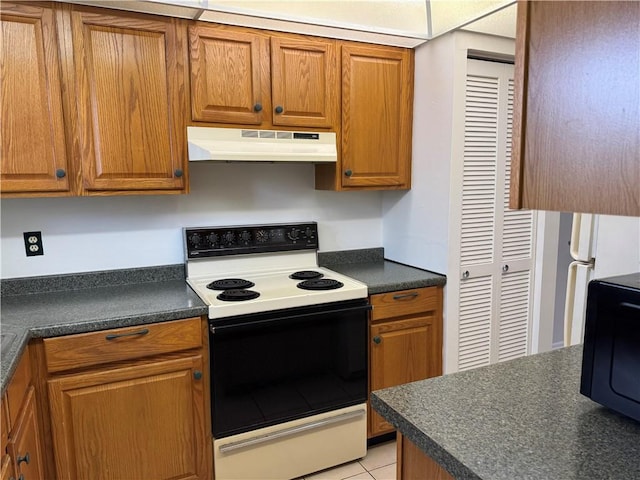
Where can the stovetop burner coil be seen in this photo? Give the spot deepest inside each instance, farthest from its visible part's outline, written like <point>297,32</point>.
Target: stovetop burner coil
<point>320,284</point>
<point>306,275</point>
<point>237,295</point>
<point>230,284</point>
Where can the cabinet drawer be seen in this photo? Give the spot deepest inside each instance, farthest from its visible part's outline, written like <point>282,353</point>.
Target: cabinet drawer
<point>404,302</point>
<point>129,343</point>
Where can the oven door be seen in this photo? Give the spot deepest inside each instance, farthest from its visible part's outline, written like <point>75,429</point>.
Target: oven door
<point>279,366</point>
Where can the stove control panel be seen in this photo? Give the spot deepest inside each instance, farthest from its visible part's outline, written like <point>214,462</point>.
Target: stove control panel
<point>203,242</point>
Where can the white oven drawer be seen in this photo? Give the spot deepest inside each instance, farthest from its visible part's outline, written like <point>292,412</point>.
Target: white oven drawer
<point>293,449</point>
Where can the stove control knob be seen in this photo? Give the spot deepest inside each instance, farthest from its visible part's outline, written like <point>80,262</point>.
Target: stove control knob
<point>294,234</point>
<point>213,238</point>
<point>309,233</point>
<point>245,237</point>
<point>195,240</point>
<point>229,238</point>
<point>262,236</point>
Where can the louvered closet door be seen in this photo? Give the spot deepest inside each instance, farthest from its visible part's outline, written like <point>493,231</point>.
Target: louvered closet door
<point>495,243</point>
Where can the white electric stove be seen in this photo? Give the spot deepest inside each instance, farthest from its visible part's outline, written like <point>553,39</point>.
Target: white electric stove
<point>288,351</point>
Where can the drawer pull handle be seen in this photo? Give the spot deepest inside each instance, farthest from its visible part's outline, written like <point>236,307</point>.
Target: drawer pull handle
<point>405,295</point>
<point>24,459</point>
<point>113,336</point>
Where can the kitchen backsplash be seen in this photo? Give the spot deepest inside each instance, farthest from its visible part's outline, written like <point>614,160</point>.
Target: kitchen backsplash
<point>103,233</point>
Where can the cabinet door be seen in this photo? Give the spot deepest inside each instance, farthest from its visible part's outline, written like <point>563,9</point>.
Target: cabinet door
<point>403,351</point>
<point>34,157</point>
<point>304,82</point>
<point>377,106</point>
<point>229,75</point>
<point>130,80</point>
<point>24,443</point>
<point>143,421</point>
<point>577,109</point>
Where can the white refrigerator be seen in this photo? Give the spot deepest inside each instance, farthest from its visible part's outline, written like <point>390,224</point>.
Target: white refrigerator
<point>601,246</point>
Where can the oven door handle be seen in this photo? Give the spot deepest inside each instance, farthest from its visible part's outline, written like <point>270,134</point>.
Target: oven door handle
<point>285,432</point>
<point>287,319</point>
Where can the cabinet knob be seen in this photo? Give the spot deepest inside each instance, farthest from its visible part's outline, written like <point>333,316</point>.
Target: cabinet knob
<point>60,173</point>
<point>24,459</point>
<point>178,173</point>
<point>465,274</point>
<point>377,340</point>
<point>505,268</point>
<point>279,109</point>
<point>348,172</point>
<point>257,107</point>
<point>197,374</point>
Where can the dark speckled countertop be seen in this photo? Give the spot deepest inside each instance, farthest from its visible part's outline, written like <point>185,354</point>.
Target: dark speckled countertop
<point>76,303</point>
<point>521,419</point>
<point>67,304</point>
<point>370,267</point>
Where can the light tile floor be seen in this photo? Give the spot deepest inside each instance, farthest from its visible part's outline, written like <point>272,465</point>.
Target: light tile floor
<point>378,464</point>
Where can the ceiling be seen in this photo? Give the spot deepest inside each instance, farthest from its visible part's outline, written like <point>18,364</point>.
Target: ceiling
<point>407,23</point>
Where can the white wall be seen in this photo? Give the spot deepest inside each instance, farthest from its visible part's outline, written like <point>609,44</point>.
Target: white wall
<point>416,222</point>
<point>102,233</point>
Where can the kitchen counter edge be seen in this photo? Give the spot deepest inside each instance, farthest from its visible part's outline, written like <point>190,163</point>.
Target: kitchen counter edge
<point>522,418</point>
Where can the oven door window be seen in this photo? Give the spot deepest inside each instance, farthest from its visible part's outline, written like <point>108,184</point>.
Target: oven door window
<point>277,367</point>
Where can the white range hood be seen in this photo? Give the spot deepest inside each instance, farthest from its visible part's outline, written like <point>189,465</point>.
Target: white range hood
<point>253,145</point>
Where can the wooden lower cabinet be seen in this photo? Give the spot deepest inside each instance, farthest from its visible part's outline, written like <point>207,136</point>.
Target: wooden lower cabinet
<point>405,342</point>
<point>414,464</point>
<point>140,421</point>
<point>21,446</point>
<point>24,441</point>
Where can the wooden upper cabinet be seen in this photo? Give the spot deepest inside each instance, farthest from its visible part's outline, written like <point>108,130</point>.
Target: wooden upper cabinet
<point>130,73</point>
<point>229,75</point>
<point>250,77</point>
<point>34,156</point>
<point>577,107</point>
<point>304,82</point>
<point>377,116</point>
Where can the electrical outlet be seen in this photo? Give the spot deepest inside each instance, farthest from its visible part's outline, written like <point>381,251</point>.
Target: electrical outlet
<point>33,243</point>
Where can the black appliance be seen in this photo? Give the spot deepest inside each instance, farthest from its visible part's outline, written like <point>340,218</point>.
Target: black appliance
<point>611,357</point>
